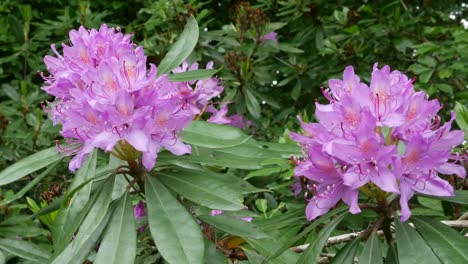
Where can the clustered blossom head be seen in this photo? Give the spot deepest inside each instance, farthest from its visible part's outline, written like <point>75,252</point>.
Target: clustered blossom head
<point>383,138</point>
<point>105,95</point>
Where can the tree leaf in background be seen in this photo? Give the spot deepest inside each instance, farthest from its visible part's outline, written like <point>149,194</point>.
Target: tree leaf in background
<point>201,74</point>
<point>461,197</point>
<point>176,233</point>
<point>182,48</point>
<point>252,104</point>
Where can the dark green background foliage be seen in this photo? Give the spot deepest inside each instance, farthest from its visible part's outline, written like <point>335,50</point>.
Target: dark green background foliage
<point>268,82</point>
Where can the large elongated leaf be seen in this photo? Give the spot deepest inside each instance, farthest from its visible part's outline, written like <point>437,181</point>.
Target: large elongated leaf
<point>91,221</point>
<point>411,246</point>
<point>204,134</point>
<point>29,164</point>
<point>182,48</point>
<point>317,243</point>
<point>199,187</point>
<point>347,253</point>
<point>192,75</point>
<point>289,243</point>
<point>119,242</point>
<point>372,253</point>
<point>176,233</point>
<point>24,249</point>
<point>212,254</point>
<point>28,187</point>
<point>461,197</point>
<point>234,226</point>
<point>446,243</point>
<point>67,219</point>
<point>266,247</point>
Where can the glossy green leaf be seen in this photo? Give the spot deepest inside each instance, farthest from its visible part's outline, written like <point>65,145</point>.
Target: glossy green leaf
<point>371,254</point>
<point>2,258</point>
<point>204,134</point>
<point>176,233</point>
<point>462,117</point>
<point>411,246</point>
<point>181,48</point>
<point>198,186</point>
<point>24,249</point>
<point>119,241</point>
<point>347,253</point>
<point>234,226</point>
<point>316,244</point>
<point>29,164</point>
<point>446,243</point>
<point>192,75</point>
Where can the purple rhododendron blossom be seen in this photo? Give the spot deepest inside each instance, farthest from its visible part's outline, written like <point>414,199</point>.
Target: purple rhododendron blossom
<point>139,211</point>
<point>235,120</point>
<point>105,94</point>
<point>385,134</point>
<point>269,36</point>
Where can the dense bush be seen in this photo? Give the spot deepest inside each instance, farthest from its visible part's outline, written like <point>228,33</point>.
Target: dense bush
<point>231,198</point>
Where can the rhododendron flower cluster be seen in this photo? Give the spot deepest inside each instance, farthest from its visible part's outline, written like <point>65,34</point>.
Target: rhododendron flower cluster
<point>106,96</point>
<point>381,139</point>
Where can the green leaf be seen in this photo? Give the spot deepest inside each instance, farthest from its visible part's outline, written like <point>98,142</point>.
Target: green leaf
<point>192,75</point>
<point>371,254</point>
<point>447,244</point>
<point>175,232</point>
<point>462,117</point>
<point>318,242</point>
<point>28,187</point>
<point>119,242</point>
<point>411,247</point>
<point>24,249</point>
<point>182,48</point>
<point>234,226</point>
<point>199,187</point>
<point>252,104</point>
<point>268,246</point>
<point>90,229</point>
<point>29,164</point>
<point>347,253</point>
<point>212,254</point>
<point>308,229</point>
<point>2,258</point>
<point>204,134</point>
<point>461,197</point>
<point>68,220</point>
